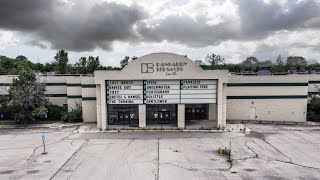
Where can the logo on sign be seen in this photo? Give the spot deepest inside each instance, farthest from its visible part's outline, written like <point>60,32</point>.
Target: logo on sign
<point>147,68</point>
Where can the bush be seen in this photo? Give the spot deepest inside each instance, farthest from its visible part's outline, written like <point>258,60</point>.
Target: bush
<point>314,108</point>
<point>5,108</point>
<point>75,115</point>
<point>55,112</point>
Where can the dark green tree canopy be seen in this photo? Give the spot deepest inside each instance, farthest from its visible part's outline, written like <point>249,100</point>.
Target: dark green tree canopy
<point>62,61</point>
<point>27,97</point>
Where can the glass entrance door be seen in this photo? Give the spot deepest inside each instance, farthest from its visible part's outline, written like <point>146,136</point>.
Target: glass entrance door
<point>164,117</point>
<point>124,117</point>
<point>161,114</point>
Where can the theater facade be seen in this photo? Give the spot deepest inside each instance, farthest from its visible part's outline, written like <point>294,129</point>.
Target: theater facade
<point>170,90</point>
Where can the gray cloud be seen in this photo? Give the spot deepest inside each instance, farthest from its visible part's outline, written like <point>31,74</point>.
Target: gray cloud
<point>37,44</point>
<point>87,26</point>
<point>257,20</point>
<point>78,29</point>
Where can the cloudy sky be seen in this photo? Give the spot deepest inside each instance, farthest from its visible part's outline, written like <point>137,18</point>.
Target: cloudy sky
<point>113,29</point>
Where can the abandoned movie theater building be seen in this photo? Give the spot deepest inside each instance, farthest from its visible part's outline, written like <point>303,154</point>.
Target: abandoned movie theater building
<point>165,89</point>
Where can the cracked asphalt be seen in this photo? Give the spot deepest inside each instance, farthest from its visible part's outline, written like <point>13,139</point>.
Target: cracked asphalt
<point>267,152</point>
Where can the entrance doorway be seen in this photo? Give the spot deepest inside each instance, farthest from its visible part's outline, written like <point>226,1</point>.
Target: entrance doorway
<point>123,114</point>
<point>161,113</point>
<point>196,111</point>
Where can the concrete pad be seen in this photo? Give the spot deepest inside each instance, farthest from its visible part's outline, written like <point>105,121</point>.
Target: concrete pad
<point>113,159</point>
<point>190,159</point>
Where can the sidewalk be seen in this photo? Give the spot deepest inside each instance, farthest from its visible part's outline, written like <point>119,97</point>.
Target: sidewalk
<point>92,128</point>
<point>58,125</point>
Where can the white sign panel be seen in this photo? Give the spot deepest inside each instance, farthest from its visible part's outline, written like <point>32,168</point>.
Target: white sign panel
<point>198,91</point>
<point>162,92</point>
<point>124,92</point>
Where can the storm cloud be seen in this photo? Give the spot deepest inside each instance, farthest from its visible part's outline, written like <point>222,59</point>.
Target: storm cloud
<point>85,26</point>
<point>255,20</point>
<point>73,27</point>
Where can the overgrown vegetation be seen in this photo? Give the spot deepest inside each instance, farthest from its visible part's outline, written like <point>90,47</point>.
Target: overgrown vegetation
<point>314,106</point>
<point>27,98</point>
<point>75,115</point>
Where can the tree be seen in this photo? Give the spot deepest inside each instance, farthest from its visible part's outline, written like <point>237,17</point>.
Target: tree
<point>251,62</point>
<point>84,66</point>
<point>124,62</point>
<point>279,61</point>
<point>134,58</point>
<point>81,65</point>
<point>27,97</point>
<point>93,64</point>
<point>214,60</point>
<point>62,61</point>
<point>296,61</point>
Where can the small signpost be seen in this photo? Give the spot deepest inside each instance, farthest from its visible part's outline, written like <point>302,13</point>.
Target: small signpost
<point>43,137</point>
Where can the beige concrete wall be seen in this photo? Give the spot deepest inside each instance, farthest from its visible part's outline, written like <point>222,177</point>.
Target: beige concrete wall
<point>290,110</point>
<point>89,109</point>
<point>266,90</point>
<point>5,82</point>
<point>89,103</point>
<point>212,115</point>
<point>314,83</point>
<point>74,92</point>
<point>283,100</point>
<point>56,89</point>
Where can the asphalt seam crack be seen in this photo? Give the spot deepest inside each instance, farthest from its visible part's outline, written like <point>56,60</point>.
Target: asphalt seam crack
<point>69,158</point>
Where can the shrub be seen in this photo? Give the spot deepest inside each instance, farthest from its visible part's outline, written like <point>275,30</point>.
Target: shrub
<point>314,108</point>
<point>75,115</point>
<point>55,112</point>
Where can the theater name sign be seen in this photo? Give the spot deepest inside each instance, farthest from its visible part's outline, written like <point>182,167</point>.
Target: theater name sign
<point>169,68</point>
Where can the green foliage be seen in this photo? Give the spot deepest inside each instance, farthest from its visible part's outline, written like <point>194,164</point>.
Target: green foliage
<point>314,107</point>
<point>27,97</point>
<point>55,112</point>
<point>62,61</point>
<point>124,62</point>
<point>214,60</point>
<point>75,115</point>
<point>5,108</point>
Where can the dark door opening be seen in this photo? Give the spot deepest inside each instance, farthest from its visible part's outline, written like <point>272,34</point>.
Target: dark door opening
<point>123,115</point>
<point>161,114</point>
<point>196,111</point>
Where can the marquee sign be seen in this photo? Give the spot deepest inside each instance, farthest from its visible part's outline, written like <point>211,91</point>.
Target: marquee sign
<point>124,92</point>
<point>198,91</point>
<point>161,92</point>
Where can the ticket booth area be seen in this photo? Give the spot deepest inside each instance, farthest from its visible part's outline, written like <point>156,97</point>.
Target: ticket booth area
<point>123,114</point>
<point>161,114</point>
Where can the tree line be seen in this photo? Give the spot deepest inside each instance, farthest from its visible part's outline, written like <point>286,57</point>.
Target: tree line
<point>85,65</point>
<point>252,64</point>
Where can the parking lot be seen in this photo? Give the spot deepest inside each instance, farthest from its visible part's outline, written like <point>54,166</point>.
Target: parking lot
<point>268,152</point>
